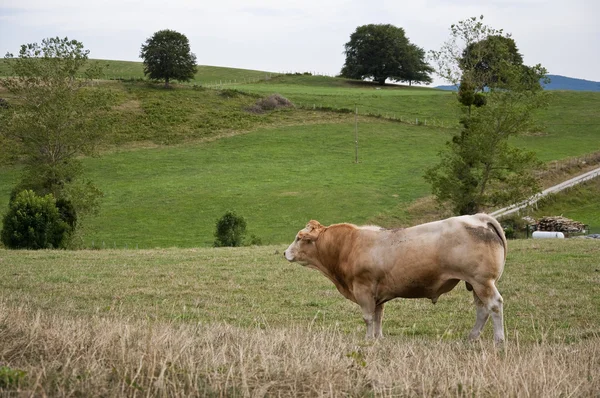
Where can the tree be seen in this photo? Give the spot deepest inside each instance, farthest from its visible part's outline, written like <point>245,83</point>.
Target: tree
<point>167,57</point>
<point>415,68</point>
<point>55,115</point>
<point>479,168</point>
<point>486,60</point>
<point>382,52</point>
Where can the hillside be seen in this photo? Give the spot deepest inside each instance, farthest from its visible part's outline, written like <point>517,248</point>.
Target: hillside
<point>557,82</point>
<point>177,159</point>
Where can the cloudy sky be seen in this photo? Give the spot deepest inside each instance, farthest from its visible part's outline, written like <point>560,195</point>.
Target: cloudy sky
<point>308,35</point>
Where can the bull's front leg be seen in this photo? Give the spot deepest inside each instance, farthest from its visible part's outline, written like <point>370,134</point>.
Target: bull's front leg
<point>377,321</point>
<point>364,298</point>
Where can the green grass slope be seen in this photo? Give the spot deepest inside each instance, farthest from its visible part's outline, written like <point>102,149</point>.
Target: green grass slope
<point>177,159</point>
<point>278,179</point>
<point>131,70</point>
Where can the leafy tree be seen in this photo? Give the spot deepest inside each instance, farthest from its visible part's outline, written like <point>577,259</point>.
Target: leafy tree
<point>487,59</point>
<point>415,68</point>
<point>230,230</point>
<point>55,116</point>
<point>479,168</point>
<point>382,52</point>
<point>167,57</point>
<point>33,222</point>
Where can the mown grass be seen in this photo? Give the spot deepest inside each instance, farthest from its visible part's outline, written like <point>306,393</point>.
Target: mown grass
<point>243,321</point>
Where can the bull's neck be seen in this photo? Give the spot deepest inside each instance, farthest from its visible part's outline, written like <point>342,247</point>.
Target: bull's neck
<point>331,253</point>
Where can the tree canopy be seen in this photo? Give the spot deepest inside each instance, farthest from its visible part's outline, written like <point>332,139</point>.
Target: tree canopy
<point>382,52</point>
<point>167,57</point>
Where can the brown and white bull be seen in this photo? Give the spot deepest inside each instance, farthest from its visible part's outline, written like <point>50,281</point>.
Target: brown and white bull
<point>370,265</point>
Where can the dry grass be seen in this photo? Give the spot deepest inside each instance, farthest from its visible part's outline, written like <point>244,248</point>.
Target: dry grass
<point>561,170</point>
<point>115,357</point>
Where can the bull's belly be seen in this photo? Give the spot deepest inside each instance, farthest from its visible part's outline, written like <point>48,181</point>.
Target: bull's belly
<point>420,288</point>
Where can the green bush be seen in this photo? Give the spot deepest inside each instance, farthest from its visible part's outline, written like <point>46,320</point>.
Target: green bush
<point>230,230</point>
<point>33,222</point>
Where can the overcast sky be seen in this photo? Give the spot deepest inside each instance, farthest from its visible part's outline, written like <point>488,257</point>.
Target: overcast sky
<point>308,35</point>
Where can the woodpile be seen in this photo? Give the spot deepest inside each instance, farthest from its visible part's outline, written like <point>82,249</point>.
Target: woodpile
<point>560,224</point>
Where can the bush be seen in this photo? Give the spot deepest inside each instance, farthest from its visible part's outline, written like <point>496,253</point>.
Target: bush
<point>33,222</point>
<point>230,230</point>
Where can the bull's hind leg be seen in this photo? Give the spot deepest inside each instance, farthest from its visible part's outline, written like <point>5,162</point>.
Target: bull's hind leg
<point>482,317</point>
<point>491,303</point>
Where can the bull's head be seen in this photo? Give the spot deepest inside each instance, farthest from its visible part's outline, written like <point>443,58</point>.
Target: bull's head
<point>303,248</point>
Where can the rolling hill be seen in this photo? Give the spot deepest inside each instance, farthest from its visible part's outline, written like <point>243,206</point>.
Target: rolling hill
<point>177,159</point>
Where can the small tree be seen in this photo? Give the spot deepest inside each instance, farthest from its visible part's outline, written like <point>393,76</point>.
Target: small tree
<point>230,230</point>
<point>56,116</point>
<point>382,52</point>
<point>33,222</point>
<point>479,168</point>
<point>167,57</point>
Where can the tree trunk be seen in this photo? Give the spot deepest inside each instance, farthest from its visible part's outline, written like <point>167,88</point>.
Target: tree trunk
<point>381,81</point>
<point>167,82</point>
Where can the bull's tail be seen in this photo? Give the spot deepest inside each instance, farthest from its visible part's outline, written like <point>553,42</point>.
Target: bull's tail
<point>497,228</point>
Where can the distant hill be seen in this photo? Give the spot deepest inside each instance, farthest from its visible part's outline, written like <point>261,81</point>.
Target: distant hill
<point>557,82</point>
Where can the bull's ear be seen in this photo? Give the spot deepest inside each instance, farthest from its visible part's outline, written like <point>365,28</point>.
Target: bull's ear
<point>313,224</point>
<point>311,232</point>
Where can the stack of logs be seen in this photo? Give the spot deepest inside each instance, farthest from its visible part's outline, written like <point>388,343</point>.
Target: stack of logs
<point>560,224</point>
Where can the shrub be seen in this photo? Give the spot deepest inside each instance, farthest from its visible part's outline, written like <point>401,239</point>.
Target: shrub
<point>33,222</point>
<point>230,230</point>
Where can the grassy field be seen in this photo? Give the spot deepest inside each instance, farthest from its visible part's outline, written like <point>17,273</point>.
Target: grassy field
<point>243,321</point>
<point>177,159</point>
<point>276,178</point>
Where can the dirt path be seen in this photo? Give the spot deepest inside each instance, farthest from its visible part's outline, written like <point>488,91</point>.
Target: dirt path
<point>556,188</point>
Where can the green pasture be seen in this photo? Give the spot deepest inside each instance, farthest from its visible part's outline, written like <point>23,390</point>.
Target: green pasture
<point>277,178</point>
<point>550,290</point>
<point>176,160</point>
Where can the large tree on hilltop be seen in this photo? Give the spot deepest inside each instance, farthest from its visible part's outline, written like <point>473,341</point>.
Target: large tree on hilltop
<point>167,57</point>
<point>382,52</point>
<point>479,168</point>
